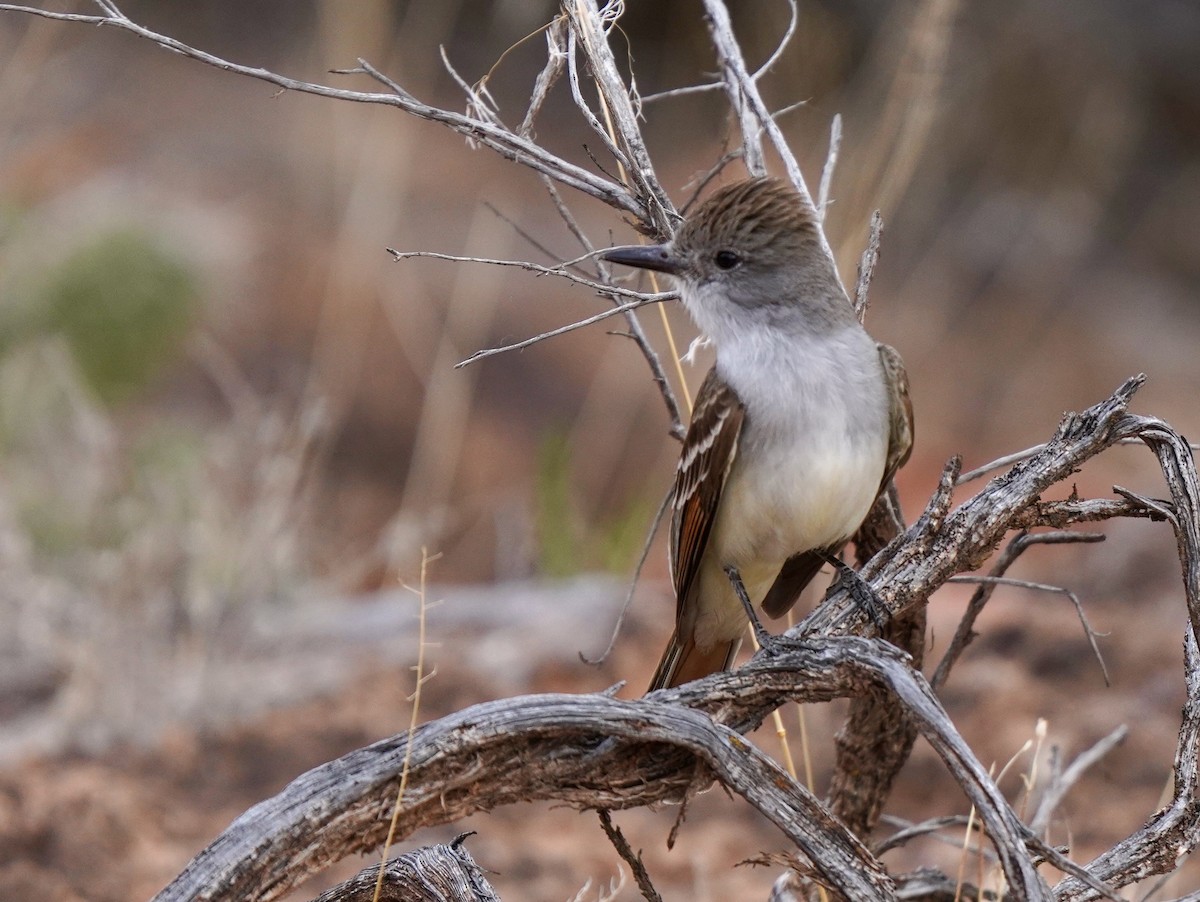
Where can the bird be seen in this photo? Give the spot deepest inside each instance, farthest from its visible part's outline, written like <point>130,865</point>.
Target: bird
<point>799,426</point>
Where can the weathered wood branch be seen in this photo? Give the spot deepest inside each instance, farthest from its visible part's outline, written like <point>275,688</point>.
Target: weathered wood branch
<point>1173,831</point>
<point>432,874</point>
<point>596,751</point>
<point>878,735</point>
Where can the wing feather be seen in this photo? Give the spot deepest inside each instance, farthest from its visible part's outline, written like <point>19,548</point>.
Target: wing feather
<point>709,450</point>
<point>900,413</point>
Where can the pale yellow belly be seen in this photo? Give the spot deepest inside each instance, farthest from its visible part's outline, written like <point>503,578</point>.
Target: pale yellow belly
<point>772,510</point>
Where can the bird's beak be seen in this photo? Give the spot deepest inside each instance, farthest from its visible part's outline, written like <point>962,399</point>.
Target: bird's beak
<point>657,257</point>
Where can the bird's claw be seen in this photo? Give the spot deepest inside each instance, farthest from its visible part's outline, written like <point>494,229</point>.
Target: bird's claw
<point>860,590</point>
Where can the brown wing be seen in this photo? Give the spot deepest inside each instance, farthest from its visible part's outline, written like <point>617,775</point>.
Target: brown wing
<point>708,452</point>
<point>900,414</point>
<point>796,573</point>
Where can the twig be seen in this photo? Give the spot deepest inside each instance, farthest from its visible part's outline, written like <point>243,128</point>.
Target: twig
<point>1061,784</point>
<point>637,574</point>
<point>1001,462</point>
<point>746,100</point>
<point>415,700</point>
<point>562,330</point>
<point>641,299</point>
<point>556,58</point>
<point>835,146</point>
<point>524,233</point>
<point>737,81</point>
<point>500,139</point>
<point>866,271</point>
<point>909,831</point>
<point>479,100</point>
<point>965,633</point>
<point>684,91</point>
<point>784,42</point>
<point>697,185</point>
<point>1045,587</point>
<point>559,270</point>
<point>587,22</point>
<point>634,860</point>
<point>592,120</point>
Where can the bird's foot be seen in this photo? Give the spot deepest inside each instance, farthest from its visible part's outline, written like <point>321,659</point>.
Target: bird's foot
<point>860,590</point>
<point>767,642</point>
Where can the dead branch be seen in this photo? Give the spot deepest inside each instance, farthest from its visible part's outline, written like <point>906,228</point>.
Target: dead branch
<point>631,858</point>
<point>965,633</point>
<point>596,751</point>
<point>432,874</point>
<point>505,142</point>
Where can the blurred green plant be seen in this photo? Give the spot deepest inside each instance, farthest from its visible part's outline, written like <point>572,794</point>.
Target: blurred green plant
<point>557,528</point>
<point>124,307</point>
<point>566,545</point>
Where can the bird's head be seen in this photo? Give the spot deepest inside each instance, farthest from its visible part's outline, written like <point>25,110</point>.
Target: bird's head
<point>751,252</point>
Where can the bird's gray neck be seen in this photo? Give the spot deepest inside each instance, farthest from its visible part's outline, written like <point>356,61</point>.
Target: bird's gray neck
<point>800,379</point>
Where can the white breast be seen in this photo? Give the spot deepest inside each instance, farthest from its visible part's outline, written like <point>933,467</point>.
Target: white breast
<point>813,447</point>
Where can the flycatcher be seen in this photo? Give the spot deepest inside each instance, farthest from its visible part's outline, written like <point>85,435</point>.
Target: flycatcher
<point>796,430</point>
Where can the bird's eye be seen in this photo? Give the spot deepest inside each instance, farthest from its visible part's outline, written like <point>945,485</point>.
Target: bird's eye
<point>726,259</point>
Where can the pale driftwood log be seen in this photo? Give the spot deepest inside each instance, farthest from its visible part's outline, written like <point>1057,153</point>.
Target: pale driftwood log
<point>432,874</point>
<point>598,752</point>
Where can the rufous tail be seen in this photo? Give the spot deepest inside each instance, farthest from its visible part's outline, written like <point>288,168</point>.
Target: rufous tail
<point>685,661</point>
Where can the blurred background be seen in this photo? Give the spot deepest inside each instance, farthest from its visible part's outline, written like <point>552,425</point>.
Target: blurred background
<point>228,418</point>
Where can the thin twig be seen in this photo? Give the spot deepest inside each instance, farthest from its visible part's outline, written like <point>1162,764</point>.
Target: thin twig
<point>563,330</point>
<point>866,269</point>
<point>1062,783</point>
<point>556,58</point>
<point>1045,587</point>
<point>788,34</point>
<point>591,118</point>
<point>965,632</point>
<point>479,100</point>
<point>831,159</point>
<point>697,185</point>
<point>1001,462</point>
<point>415,700</point>
<point>633,859</point>
<point>685,91</point>
<point>560,270</point>
<point>567,216</point>
<point>528,236</point>
<point>637,575</point>
<point>909,831</point>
